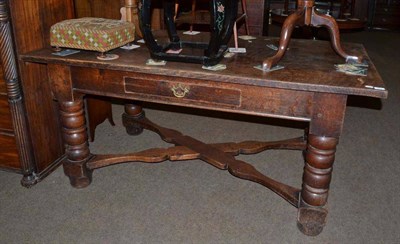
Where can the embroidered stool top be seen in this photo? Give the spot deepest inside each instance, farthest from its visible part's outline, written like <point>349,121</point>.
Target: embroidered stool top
<point>95,34</point>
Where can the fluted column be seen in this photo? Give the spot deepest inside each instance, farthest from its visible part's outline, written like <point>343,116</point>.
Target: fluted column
<point>15,98</point>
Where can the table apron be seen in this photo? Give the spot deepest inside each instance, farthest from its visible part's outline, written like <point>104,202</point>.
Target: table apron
<point>191,92</point>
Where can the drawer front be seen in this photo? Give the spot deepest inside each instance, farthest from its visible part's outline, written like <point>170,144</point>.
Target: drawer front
<point>191,92</point>
<point>8,153</point>
<point>5,115</point>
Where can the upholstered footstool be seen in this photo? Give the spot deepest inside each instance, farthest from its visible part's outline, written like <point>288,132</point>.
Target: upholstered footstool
<point>94,34</point>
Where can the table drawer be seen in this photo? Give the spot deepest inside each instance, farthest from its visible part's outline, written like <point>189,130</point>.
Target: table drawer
<point>8,153</point>
<point>189,91</point>
<point>194,92</point>
<point>5,115</point>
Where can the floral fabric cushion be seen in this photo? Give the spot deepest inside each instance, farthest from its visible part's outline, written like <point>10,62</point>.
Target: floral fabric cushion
<point>94,34</point>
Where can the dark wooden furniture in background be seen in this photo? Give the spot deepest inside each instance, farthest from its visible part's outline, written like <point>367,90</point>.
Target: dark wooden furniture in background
<point>30,138</point>
<point>374,14</point>
<point>379,13</point>
<point>308,89</point>
<point>385,14</point>
<point>110,9</point>
<point>98,8</point>
<point>341,10</point>
<point>344,13</point>
<point>198,14</point>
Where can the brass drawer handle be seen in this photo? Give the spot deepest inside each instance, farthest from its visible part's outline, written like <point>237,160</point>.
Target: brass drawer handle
<point>180,90</point>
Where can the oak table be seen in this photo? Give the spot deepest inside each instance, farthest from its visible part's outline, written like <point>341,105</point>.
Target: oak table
<point>307,89</point>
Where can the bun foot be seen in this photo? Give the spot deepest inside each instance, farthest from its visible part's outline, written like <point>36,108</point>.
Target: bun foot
<point>80,182</point>
<point>311,221</point>
<point>29,180</point>
<point>132,128</point>
<point>79,176</point>
<point>133,113</point>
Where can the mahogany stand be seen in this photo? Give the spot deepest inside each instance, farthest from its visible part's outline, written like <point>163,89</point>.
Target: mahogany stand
<point>307,15</point>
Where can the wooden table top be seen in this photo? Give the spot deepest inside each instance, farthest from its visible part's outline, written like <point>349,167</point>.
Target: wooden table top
<point>308,66</point>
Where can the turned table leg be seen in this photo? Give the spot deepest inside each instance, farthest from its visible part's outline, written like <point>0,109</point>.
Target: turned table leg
<point>76,142</point>
<point>323,136</point>
<point>133,112</point>
<point>320,155</point>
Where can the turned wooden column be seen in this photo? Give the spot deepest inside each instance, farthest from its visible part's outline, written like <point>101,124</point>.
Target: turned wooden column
<point>322,139</point>
<point>76,142</point>
<point>133,112</point>
<point>74,131</point>
<point>15,99</point>
<point>320,155</point>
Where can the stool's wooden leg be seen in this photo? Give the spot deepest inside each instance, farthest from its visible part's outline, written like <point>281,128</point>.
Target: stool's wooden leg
<point>235,35</point>
<point>57,49</point>
<point>244,9</point>
<point>132,113</point>
<point>176,9</point>
<point>193,15</point>
<point>330,23</point>
<point>169,19</point>
<point>286,32</point>
<point>76,142</point>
